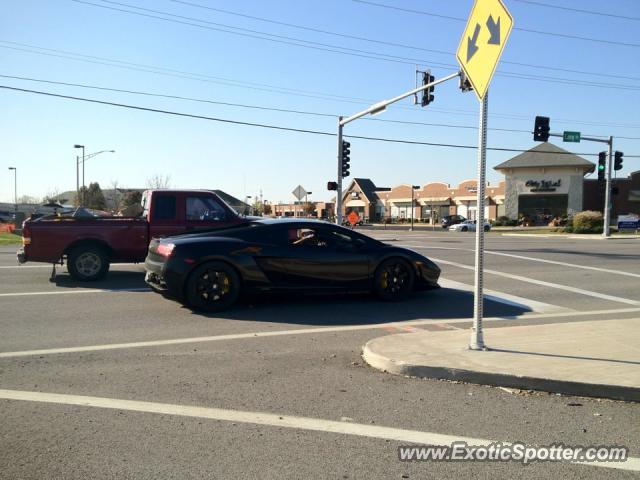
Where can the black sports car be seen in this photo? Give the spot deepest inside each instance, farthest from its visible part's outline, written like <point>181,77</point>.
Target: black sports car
<point>209,270</point>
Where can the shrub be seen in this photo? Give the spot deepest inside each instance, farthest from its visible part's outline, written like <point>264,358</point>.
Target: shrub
<point>587,222</point>
<point>504,221</point>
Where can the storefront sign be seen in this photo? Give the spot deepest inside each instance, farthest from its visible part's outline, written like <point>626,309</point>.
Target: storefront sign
<point>543,185</point>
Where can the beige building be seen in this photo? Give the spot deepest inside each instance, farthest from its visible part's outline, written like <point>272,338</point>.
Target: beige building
<point>430,201</point>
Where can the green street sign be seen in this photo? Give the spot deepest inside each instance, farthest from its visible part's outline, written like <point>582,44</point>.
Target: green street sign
<point>571,137</point>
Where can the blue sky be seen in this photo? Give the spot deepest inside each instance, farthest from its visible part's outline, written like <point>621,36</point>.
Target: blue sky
<point>39,132</point>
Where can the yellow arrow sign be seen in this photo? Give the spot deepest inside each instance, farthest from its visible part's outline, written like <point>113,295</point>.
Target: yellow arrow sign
<point>482,42</point>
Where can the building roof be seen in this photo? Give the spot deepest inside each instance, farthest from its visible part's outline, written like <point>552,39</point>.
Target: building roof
<point>367,187</point>
<point>546,155</point>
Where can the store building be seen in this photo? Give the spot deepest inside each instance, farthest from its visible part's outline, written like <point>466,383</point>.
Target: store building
<point>430,202</point>
<point>543,183</point>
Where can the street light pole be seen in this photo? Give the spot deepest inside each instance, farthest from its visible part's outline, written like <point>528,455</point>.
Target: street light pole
<point>81,199</point>
<point>15,187</point>
<point>306,200</point>
<point>413,188</point>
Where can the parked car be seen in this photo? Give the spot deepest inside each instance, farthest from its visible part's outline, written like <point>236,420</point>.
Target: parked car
<point>89,243</point>
<point>208,271</point>
<point>6,217</point>
<point>468,226</point>
<point>449,220</point>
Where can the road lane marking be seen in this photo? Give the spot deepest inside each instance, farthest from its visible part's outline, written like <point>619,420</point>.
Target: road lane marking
<point>506,298</point>
<point>557,286</point>
<point>302,331</point>
<point>273,420</point>
<point>67,292</point>
<point>533,259</point>
<point>48,265</point>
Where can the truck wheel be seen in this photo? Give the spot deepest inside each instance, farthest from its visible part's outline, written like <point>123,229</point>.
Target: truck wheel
<point>213,286</point>
<point>88,263</point>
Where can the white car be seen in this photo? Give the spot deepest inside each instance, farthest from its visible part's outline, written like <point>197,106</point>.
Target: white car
<point>468,226</point>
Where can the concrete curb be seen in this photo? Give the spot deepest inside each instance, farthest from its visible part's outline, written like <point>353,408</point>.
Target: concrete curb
<point>396,367</point>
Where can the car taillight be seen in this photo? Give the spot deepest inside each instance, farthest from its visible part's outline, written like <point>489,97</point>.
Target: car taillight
<point>165,249</point>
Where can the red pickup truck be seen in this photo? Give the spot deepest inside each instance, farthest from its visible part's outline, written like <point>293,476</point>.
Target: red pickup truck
<point>89,245</point>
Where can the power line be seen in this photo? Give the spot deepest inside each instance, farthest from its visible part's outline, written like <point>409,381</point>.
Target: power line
<point>579,10</point>
<point>273,109</point>
<point>277,127</point>
<point>528,30</point>
<point>254,107</point>
<point>393,44</point>
<point>159,70</point>
<point>336,48</point>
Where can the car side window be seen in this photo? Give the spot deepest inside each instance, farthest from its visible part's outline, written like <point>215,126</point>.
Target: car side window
<point>204,209</point>
<point>164,207</point>
<point>307,237</point>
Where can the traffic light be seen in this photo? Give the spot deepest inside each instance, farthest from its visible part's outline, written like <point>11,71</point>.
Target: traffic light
<point>541,129</point>
<point>332,185</point>
<point>345,159</point>
<point>427,95</point>
<point>617,160</point>
<point>463,83</point>
<point>602,166</point>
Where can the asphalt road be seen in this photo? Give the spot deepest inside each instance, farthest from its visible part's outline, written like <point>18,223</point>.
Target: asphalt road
<point>110,380</point>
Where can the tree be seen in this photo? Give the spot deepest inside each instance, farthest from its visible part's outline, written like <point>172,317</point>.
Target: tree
<point>266,209</point>
<point>53,195</point>
<point>159,182</point>
<point>309,208</point>
<point>131,198</point>
<point>93,197</point>
<point>115,198</point>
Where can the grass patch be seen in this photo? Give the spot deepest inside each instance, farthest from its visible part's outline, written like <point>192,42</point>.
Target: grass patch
<point>10,239</point>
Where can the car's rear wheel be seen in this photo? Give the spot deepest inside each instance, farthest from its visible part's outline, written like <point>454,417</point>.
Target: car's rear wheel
<point>393,280</point>
<point>487,228</point>
<point>88,263</point>
<point>213,286</point>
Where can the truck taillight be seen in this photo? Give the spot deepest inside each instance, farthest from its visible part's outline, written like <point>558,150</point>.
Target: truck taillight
<point>165,249</point>
<point>26,234</point>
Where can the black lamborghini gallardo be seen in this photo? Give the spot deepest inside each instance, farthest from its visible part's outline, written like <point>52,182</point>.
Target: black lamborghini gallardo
<point>209,270</point>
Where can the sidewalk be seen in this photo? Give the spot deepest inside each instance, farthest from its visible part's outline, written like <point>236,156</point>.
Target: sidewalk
<point>595,359</point>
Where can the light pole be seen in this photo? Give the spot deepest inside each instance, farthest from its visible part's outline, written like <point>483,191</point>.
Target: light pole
<point>81,200</point>
<point>413,189</point>
<point>246,200</point>
<point>306,202</point>
<point>15,187</point>
<point>84,159</point>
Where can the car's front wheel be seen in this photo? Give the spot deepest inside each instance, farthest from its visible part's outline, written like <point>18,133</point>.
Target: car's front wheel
<point>465,229</point>
<point>213,286</point>
<point>393,280</point>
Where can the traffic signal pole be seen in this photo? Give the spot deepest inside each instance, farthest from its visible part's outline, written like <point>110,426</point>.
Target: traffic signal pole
<point>339,190</point>
<point>375,109</point>
<point>606,231</point>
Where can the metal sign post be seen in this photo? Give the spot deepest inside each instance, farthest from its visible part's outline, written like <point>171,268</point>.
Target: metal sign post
<point>488,28</point>
<point>477,339</point>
